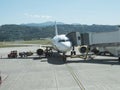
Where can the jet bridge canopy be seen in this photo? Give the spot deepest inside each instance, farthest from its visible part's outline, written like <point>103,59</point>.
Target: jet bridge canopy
<point>74,38</point>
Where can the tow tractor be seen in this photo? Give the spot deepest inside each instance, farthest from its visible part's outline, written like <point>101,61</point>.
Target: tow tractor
<point>12,54</point>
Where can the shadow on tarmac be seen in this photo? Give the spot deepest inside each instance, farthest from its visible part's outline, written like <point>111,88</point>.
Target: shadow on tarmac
<point>33,57</point>
<point>97,61</point>
<point>57,60</point>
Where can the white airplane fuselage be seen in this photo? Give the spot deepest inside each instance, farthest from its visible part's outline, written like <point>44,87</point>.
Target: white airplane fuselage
<point>61,43</point>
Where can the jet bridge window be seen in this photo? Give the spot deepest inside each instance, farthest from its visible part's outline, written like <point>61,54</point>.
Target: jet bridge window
<point>79,38</point>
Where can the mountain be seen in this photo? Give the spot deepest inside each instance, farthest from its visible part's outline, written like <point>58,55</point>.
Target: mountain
<point>50,23</point>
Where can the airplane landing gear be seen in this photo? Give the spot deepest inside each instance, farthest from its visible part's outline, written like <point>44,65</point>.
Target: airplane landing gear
<point>73,52</point>
<point>48,52</point>
<point>119,59</point>
<point>64,58</point>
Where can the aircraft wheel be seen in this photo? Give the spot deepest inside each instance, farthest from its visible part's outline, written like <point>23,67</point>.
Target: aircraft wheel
<point>73,52</point>
<point>119,59</point>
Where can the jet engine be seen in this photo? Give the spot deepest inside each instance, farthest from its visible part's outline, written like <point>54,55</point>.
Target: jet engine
<point>40,51</point>
<point>83,49</point>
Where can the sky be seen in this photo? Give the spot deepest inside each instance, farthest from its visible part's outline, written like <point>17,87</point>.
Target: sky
<point>105,12</point>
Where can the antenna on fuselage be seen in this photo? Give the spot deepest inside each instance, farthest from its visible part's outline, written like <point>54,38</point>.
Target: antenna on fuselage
<point>56,31</point>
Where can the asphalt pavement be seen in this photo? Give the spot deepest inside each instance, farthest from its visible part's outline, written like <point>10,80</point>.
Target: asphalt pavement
<point>101,73</point>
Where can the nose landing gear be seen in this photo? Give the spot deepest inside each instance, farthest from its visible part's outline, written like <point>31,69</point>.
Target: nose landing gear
<point>64,58</point>
<point>73,52</point>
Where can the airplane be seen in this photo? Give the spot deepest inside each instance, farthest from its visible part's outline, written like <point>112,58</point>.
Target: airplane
<point>60,43</point>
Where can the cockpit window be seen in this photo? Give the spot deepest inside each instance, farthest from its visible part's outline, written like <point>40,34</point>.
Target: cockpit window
<point>62,40</point>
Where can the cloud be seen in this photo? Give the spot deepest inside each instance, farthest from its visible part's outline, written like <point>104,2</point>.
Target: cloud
<point>37,16</point>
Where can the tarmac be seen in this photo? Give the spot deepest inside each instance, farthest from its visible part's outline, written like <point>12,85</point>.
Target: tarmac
<point>101,73</point>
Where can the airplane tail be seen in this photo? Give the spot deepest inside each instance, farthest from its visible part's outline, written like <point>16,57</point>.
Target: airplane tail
<point>56,31</point>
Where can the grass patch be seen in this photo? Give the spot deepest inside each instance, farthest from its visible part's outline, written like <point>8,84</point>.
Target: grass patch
<point>42,41</point>
<point>16,43</point>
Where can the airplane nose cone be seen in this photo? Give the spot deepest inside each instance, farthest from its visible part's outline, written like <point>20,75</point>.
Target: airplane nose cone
<point>67,46</point>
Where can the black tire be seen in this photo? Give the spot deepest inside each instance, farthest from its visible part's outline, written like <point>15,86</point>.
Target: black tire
<point>119,59</point>
<point>74,52</point>
<point>71,52</point>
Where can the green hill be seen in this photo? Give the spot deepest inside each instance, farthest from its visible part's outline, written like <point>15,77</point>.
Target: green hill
<point>23,32</point>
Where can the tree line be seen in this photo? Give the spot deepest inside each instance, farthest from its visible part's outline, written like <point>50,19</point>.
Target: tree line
<point>22,32</point>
